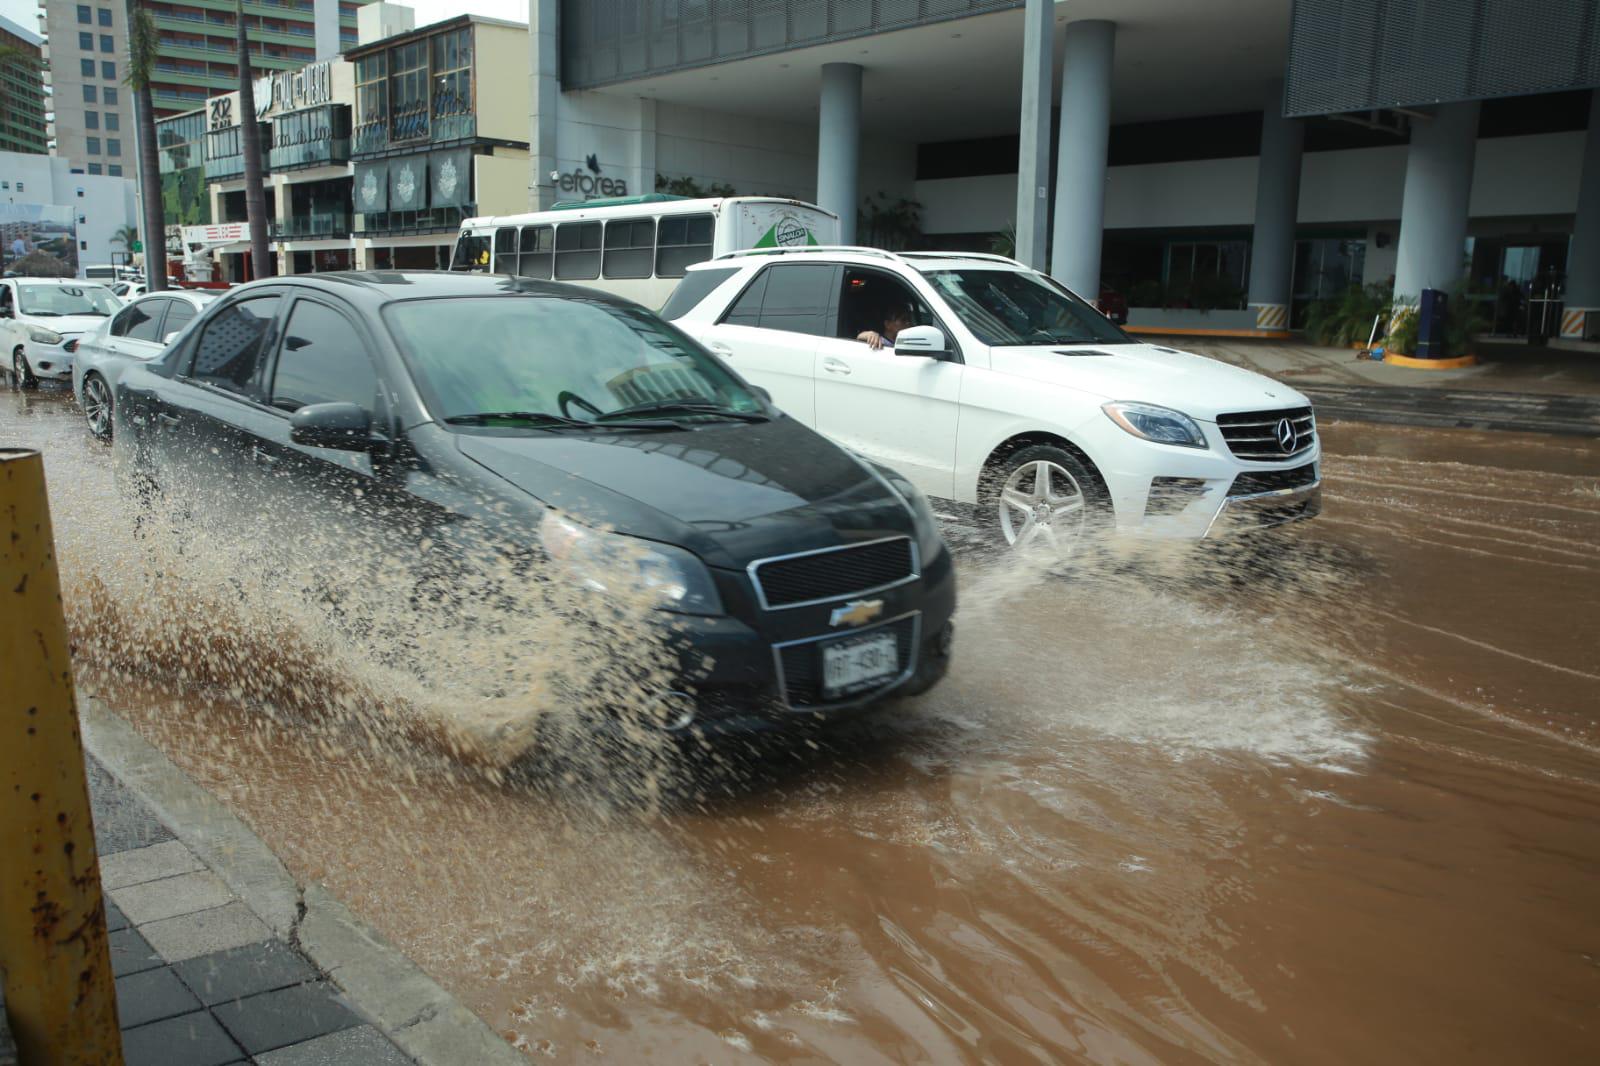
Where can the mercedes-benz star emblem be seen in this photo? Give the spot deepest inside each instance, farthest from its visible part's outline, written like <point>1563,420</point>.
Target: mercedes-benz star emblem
<point>1285,435</point>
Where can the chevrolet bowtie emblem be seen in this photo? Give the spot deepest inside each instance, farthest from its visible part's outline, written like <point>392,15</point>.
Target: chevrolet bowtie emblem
<point>856,613</point>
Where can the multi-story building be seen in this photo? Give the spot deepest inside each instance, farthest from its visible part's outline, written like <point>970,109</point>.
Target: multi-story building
<point>91,120</point>
<point>22,103</point>
<point>48,203</point>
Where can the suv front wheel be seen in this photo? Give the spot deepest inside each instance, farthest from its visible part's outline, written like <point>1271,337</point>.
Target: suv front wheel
<point>1046,500</point>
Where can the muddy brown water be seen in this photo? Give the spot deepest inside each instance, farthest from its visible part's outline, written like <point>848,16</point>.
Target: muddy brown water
<point>1334,802</point>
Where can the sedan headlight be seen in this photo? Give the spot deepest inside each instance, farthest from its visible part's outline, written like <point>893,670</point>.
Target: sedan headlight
<point>611,562</point>
<point>1160,424</point>
<point>40,335</point>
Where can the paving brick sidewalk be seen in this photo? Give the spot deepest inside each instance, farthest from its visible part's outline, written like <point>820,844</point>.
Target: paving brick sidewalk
<point>202,981</point>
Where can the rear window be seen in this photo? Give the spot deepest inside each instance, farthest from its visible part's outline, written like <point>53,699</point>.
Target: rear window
<point>696,286</point>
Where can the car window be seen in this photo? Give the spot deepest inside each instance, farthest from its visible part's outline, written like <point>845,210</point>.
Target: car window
<point>746,310</point>
<point>54,301</point>
<point>1013,307</point>
<point>630,249</point>
<point>682,242</point>
<point>322,360</point>
<point>538,246</point>
<point>141,320</point>
<point>578,251</point>
<point>867,298</point>
<point>695,286</point>
<point>5,298</point>
<point>228,353</point>
<point>796,298</point>
<point>179,314</point>
<point>505,250</point>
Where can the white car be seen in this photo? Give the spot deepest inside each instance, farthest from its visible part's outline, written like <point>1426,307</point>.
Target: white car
<point>41,318</point>
<point>129,290</point>
<point>138,332</point>
<point>1002,389</point>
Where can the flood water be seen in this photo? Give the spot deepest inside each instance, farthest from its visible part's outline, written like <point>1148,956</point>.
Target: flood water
<point>1336,801</point>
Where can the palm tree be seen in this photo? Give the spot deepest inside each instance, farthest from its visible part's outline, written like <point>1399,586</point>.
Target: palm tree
<point>255,194</point>
<point>127,236</point>
<point>143,39</point>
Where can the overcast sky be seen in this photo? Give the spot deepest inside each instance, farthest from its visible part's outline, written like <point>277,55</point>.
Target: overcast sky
<point>25,12</point>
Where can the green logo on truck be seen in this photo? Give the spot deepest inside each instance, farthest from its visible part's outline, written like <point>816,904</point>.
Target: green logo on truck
<point>787,232</point>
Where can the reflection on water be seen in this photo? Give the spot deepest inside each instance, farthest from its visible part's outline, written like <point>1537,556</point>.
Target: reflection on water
<point>1329,802</point>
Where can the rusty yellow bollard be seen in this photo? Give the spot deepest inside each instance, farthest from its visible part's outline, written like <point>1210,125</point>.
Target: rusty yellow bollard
<point>59,992</point>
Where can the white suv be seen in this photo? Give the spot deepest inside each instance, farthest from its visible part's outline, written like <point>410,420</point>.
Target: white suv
<point>41,320</point>
<point>1006,391</point>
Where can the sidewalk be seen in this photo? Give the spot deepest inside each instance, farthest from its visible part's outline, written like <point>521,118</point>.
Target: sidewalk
<point>1514,387</point>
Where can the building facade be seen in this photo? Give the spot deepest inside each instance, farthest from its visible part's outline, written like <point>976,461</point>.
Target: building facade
<point>91,120</point>
<point>22,104</point>
<point>1220,165</point>
<point>49,204</point>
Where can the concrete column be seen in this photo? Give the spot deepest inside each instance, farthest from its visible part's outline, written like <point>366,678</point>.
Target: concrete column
<point>1433,209</point>
<point>839,145</point>
<point>1580,315</point>
<point>645,148</point>
<point>325,28</point>
<point>1081,163</point>
<point>1033,155</point>
<point>278,190</point>
<point>1277,203</point>
<point>544,98</point>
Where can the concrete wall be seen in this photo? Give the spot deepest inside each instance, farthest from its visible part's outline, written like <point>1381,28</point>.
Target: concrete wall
<point>107,204</point>
<point>501,182</point>
<point>500,66</point>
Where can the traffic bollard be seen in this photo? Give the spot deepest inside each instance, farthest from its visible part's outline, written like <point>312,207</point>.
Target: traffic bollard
<point>59,992</point>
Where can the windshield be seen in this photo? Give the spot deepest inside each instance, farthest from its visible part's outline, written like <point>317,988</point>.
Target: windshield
<point>58,300</point>
<point>472,252</point>
<point>574,358</point>
<point>1004,307</point>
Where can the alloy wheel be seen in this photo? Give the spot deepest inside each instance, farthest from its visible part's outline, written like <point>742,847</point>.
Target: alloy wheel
<point>1042,507</point>
<point>97,406</point>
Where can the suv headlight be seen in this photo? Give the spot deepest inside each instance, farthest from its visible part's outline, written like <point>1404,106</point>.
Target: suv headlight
<point>1162,425</point>
<point>40,335</point>
<point>611,562</point>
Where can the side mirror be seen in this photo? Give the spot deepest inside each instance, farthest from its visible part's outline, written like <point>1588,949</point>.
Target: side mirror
<point>766,397</point>
<point>169,338</point>
<point>921,340</point>
<point>346,426</point>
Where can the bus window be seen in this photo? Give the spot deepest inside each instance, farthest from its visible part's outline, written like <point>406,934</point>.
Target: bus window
<point>577,251</point>
<point>472,252</point>
<point>538,245</point>
<point>684,240</point>
<point>505,250</point>
<point>630,249</point>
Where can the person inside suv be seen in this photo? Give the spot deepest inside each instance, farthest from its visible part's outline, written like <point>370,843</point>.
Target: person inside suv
<point>896,318</point>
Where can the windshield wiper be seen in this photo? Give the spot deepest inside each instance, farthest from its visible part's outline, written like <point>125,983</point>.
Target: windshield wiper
<point>547,420</point>
<point>687,407</point>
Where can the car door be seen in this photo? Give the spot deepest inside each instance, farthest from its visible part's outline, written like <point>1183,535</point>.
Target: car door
<point>135,330</point>
<point>770,332</point>
<point>901,410</point>
<point>9,336</point>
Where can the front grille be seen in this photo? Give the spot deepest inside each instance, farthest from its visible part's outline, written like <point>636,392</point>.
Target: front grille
<point>1273,480</point>
<point>1254,434</point>
<point>834,573</point>
<point>802,665</point>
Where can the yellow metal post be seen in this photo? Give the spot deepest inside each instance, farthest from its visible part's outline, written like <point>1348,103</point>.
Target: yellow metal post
<point>59,992</point>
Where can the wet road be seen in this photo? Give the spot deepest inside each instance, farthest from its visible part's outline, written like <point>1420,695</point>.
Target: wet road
<point>1336,802</point>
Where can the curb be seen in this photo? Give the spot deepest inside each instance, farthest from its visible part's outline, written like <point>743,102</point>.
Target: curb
<point>423,1020</point>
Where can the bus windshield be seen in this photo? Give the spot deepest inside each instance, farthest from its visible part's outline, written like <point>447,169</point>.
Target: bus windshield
<point>472,252</point>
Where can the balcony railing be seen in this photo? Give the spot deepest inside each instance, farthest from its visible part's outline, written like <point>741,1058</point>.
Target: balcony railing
<point>403,223</point>
<point>374,137</point>
<point>318,225</point>
<point>320,153</point>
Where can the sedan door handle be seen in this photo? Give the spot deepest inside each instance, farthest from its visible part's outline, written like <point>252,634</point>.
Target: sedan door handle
<point>265,458</point>
<point>836,366</point>
<point>166,419</point>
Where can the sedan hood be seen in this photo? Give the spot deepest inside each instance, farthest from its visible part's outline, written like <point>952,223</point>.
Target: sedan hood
<point>729,492</point>
<point>69,325</point>
<point>1198,386</point>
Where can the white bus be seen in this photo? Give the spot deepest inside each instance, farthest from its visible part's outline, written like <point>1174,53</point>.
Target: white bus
<point>637,247</point>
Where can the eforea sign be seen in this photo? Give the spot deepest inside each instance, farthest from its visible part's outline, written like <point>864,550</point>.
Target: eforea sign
<point>587,180</point>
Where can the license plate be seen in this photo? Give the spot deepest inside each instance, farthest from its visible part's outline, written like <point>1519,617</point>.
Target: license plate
<point>850,666</point>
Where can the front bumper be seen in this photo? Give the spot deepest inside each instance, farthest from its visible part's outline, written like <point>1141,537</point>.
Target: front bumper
<point>1262,510</point>
<point>50,362</point>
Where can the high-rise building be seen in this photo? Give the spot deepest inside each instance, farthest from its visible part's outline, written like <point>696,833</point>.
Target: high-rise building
<point>22,104</point>
<point>91,116</point>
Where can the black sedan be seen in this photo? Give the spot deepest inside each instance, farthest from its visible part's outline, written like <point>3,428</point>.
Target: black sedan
<point>800,582</point>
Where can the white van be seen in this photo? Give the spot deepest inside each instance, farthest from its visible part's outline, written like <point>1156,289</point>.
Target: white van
<point>639,246</point>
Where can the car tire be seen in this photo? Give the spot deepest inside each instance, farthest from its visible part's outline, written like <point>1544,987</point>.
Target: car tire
<point>98,407</point>
<point>1071,509</point>
<point>21,373</point>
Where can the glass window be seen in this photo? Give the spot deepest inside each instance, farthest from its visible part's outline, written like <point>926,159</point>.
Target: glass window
<point>86,41</point>
<point>694,287</point>
<point>86,67</point>
<point>61,300</point>
<point>472,252</point>
<point>868,299</point>
<point>228,353</point>
<point>683,240</point>
<point>577,251</point>
<point>139,321</point>
<point>108,70</point>
<point>371,99</point>
<point>113,121</point>
<point>110,96</point>
<point>84,14</point>
<point>89,94</point>
<point>91,120</point>
<point>113,146</point>
<point>94,168</point>
<point>797,297</point>
<point>92,145</point>
<point>322,360</point>
<point>608,357</point>
<point>114,170</point>
<point>107,44</point>
<point>630,249</point>
<point>1012,307</point>
<point>452,72</point>
<point>408,91</point>
<point>105,16</point>
<point>746,310</point>
<point>179,315</point>
<point>505,250</point>
<point>538,247</point>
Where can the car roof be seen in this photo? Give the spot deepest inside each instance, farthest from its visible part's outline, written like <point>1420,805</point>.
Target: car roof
<point>921,261</point>
<point>379,287</point>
